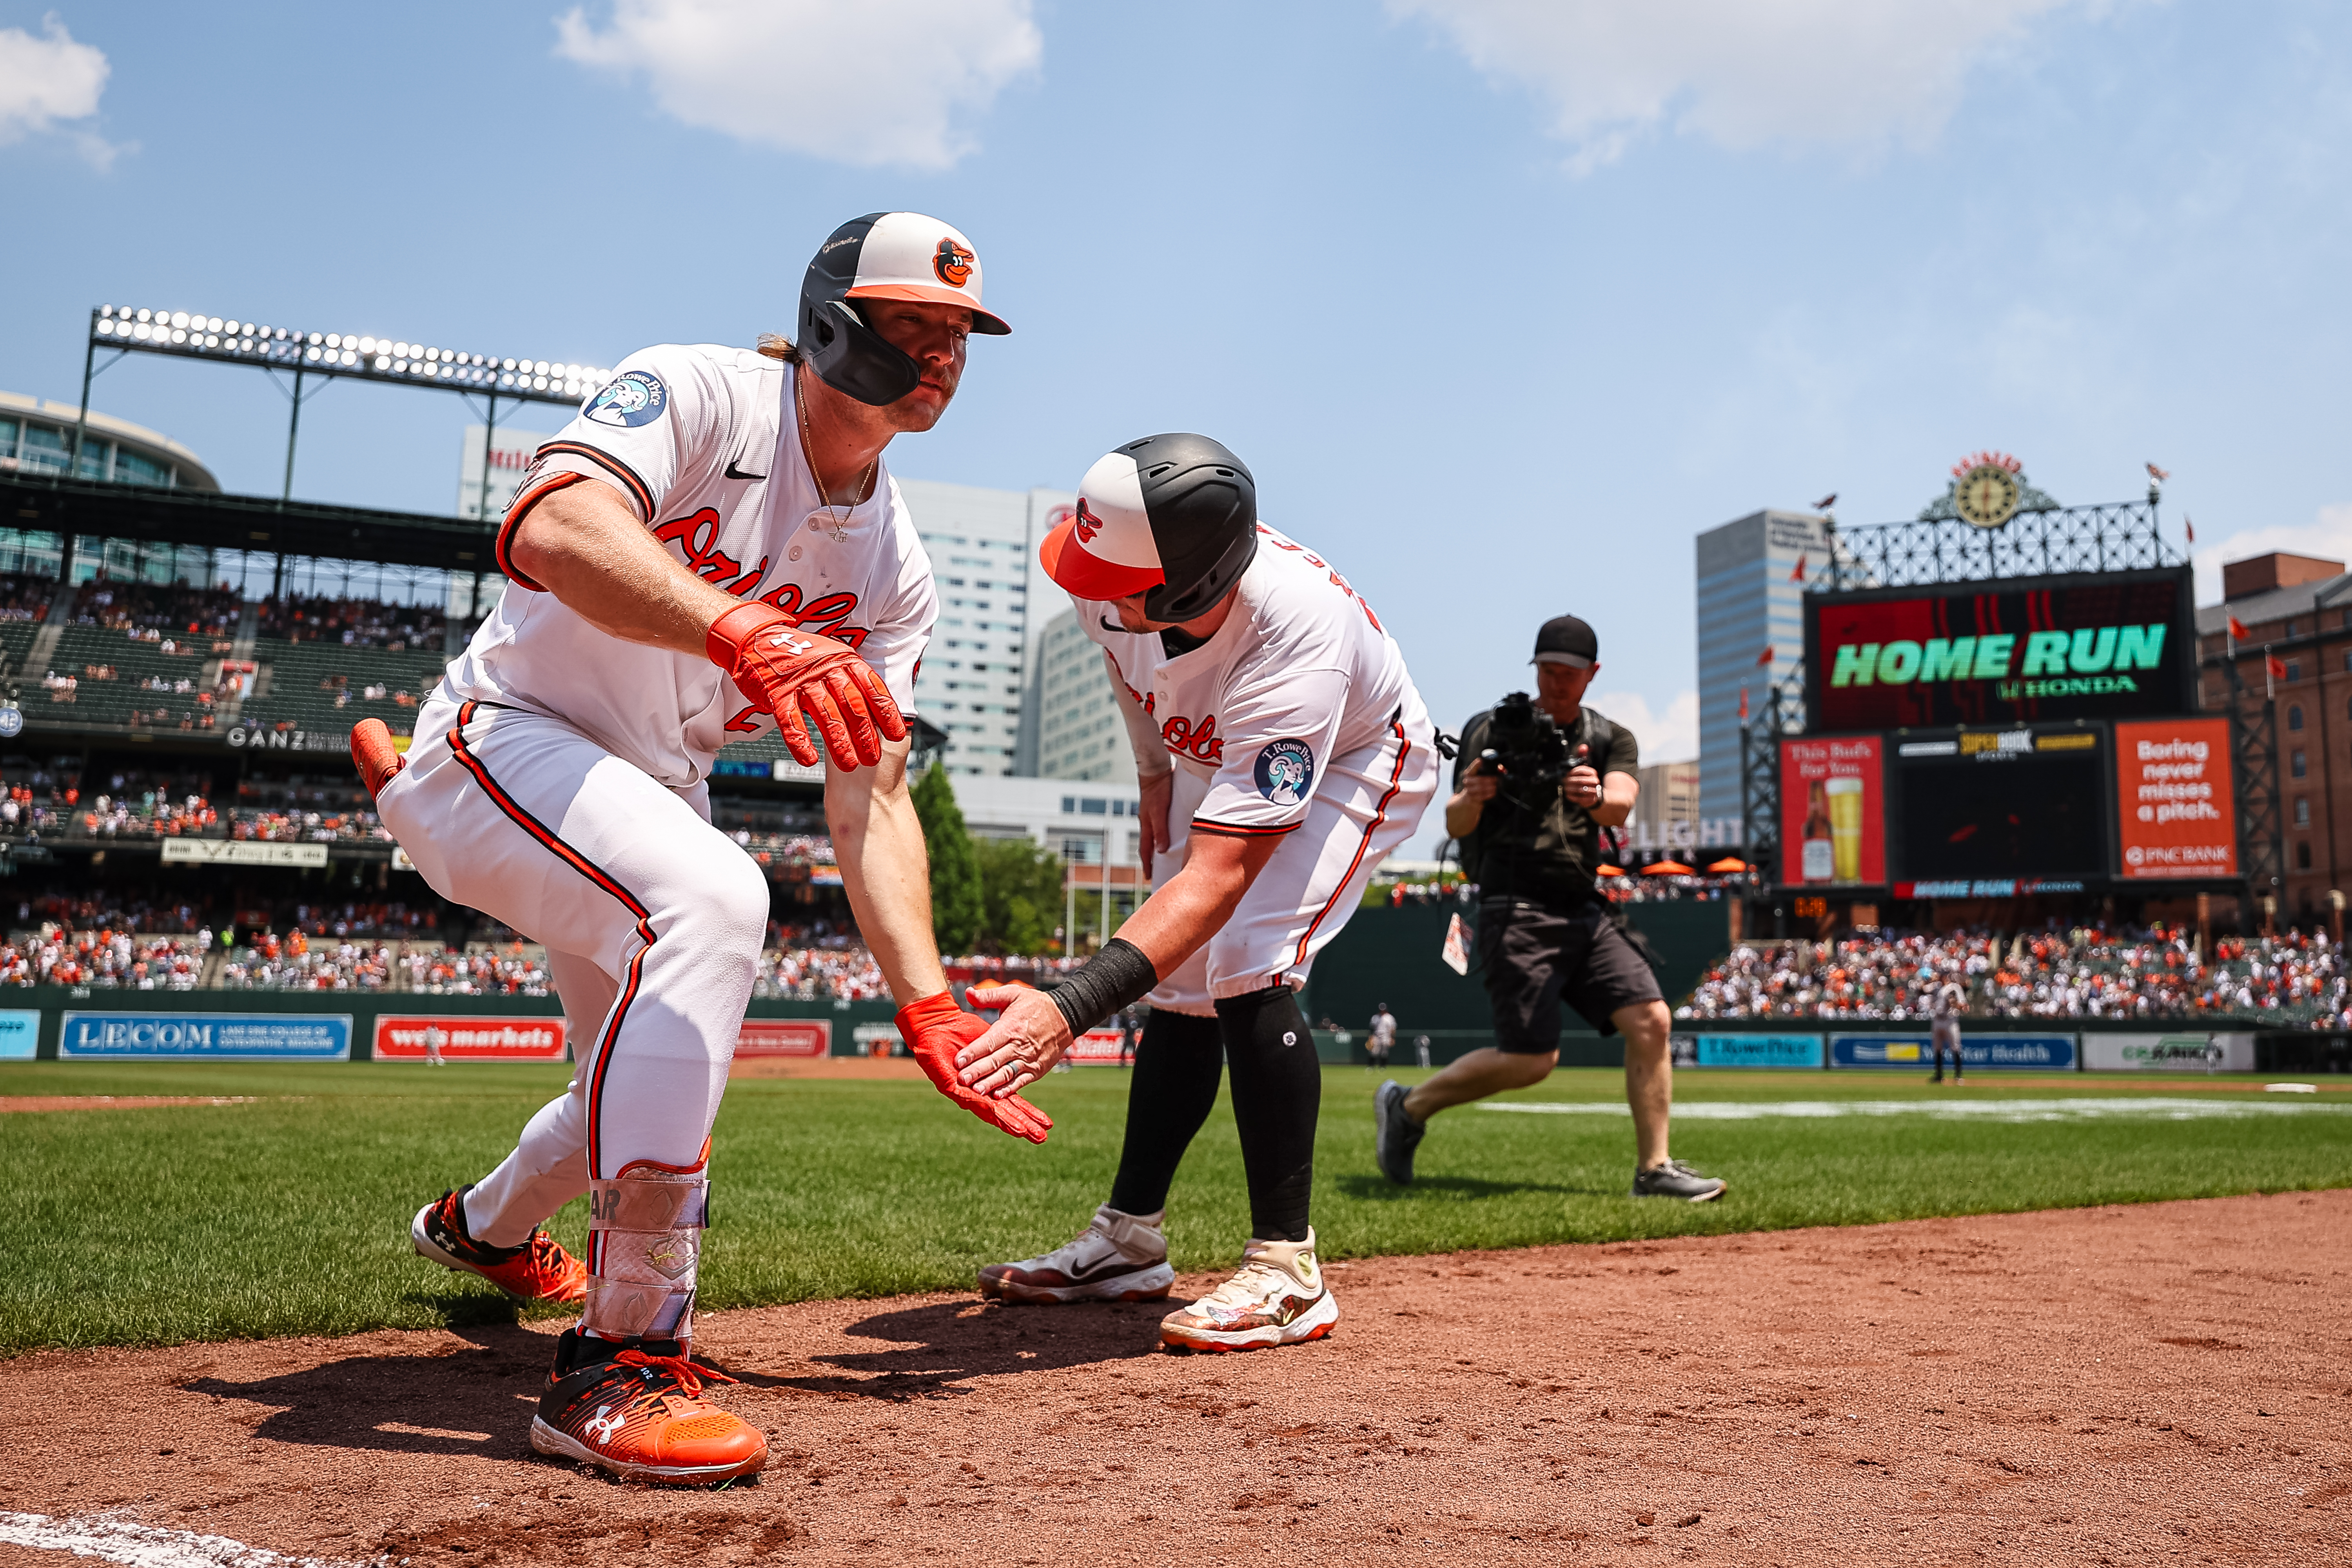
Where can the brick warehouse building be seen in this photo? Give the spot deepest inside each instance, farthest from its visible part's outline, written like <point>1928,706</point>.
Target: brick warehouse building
<point>2298,610</point>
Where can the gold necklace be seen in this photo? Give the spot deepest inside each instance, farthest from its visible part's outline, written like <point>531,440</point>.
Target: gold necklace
<point>808,455</point>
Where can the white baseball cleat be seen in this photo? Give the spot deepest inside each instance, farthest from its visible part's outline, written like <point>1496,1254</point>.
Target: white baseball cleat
<point>1276,1297</point>
<point>1118,1257</point>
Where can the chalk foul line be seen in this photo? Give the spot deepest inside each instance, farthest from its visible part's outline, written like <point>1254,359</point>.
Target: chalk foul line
<point>2148,1108</point>
<point>139,1546</point>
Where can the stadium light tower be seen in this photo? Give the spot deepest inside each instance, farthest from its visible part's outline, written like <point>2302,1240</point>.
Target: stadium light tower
<point>360,356</point>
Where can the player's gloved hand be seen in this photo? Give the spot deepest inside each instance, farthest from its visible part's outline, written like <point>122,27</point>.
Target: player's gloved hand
<point>786,671</point>
<point>935,1029</point>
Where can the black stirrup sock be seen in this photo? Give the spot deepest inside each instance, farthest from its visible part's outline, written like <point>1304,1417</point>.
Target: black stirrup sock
<point>1277,1091</point>
<point>1177,1064</point>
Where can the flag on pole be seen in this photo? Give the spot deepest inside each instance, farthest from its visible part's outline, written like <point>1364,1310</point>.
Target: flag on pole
<point>1743,705</point>
<point>1766,657</point>
<point>2238,629</point>
<point>2273,671</point>
<point>1799,574</point>
<point>2190,527</point>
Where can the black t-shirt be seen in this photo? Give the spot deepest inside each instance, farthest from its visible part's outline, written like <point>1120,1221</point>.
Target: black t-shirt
<point>1549,855</point>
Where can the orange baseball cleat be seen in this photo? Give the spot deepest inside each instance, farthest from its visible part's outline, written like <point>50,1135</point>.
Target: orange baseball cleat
<point>538,1270</point>
<point>636,1411</point>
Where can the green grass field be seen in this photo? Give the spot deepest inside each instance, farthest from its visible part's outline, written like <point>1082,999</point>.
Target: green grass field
<point>290,1215</point>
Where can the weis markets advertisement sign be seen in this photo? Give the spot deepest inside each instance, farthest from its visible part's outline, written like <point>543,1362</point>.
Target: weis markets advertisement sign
<point>788,1037</point>
<point>2024,1053</point>
<point>2174,806</point>
<point>2117,645</point>
<point>1748,1050</point>
<point>456,1039</point>
<point>1833,812</point>
<point>207,1036</point>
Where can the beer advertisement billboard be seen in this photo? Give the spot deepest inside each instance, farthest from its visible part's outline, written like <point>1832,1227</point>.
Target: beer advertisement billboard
<point>2174,808</point>
<point>2111,645</point>
<point>1833,812</point>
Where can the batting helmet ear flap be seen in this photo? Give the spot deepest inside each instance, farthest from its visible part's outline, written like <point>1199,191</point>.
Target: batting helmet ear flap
<point>1216,582</point>
<point>851,357</point>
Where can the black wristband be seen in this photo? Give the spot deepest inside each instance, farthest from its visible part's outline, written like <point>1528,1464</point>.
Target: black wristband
<point>1104,983</point>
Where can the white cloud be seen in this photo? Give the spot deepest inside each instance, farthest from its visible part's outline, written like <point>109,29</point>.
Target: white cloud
<point>47,80</point>
<point>1668,737</point>
<point>2329,537</point>
<point>1853,74</point>
<point>880,82</point>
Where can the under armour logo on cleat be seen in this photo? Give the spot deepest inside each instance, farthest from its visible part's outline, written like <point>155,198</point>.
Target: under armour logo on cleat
<point>602,1425</point>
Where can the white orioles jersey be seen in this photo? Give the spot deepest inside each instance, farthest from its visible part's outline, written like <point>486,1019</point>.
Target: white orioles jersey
<point>1301,673</point>
<point>705,443</point>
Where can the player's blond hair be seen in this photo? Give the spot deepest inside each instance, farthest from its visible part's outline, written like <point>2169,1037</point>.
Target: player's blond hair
<point>775,345</point>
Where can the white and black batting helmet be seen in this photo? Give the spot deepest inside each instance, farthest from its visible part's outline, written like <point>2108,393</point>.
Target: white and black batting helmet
<point>1174,518</point>
<point>883,256</point>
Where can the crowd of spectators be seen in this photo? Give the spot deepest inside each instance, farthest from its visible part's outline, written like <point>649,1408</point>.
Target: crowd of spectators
<point>177,619</point>
<point>2085,973</point>
<point>353,623</point>
<point>24,598</point>
<point>108,956</point>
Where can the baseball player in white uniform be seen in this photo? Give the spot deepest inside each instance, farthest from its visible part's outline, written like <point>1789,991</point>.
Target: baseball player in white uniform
<point>1283,753</point>
<point>712,549</point>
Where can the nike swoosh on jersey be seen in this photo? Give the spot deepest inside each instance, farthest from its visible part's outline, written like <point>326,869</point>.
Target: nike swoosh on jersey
<point>735,473</point>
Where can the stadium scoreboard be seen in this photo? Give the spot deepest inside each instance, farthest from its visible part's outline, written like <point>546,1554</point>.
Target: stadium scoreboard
<point>2002,811</point>
<point>2107,646</point>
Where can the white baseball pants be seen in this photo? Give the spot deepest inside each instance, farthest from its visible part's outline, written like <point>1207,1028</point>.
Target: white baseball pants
<point>653,921</point>
<point>1366,803</point>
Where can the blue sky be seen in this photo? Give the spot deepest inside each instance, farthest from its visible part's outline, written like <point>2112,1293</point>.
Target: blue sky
<point>1502,302</point>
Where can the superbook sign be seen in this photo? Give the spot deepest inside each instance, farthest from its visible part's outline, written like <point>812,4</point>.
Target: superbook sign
<point>2116,645</point>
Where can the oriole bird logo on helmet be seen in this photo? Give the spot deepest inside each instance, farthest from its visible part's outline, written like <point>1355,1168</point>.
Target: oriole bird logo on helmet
<point>952,262</point>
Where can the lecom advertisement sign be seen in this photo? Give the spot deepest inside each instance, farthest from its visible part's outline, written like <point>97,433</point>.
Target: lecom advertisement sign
<point>2173,801</point>
<point>1833,812</point>
<point>439,1036</point>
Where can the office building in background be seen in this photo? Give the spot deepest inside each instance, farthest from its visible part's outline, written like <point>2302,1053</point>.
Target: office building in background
<point>1072,729</point>
<point>1751,577</point>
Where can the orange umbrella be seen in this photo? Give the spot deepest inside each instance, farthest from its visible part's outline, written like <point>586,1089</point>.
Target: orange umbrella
<point>1665,869</point>
<point>1611,872</point>
<point>1729,863</point>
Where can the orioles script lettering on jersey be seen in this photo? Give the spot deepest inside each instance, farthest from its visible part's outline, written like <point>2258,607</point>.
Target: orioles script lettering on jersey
<point>1199,742</point>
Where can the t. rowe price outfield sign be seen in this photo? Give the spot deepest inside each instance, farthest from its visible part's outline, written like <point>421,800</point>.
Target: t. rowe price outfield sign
<point>2113,645</point>
<point>2174,805</point>
<point>475,1039</point>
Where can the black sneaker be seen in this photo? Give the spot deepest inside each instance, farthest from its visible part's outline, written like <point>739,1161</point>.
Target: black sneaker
<point>1675,1180</point>
<point>1395,1134</point>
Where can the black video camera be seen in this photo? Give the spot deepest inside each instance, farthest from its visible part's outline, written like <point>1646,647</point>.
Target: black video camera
<point>1527,749</point>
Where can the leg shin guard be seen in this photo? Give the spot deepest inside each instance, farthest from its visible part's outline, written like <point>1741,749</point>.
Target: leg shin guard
<point>645,1240</point>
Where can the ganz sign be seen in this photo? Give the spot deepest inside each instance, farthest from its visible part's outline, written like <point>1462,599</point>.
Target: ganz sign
<point>2117,645</point>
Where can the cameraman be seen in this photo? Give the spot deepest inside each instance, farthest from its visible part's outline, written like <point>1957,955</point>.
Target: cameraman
<point>1545,933</point>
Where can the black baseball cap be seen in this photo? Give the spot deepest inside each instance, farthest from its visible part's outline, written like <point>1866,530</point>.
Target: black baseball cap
<point>1566,640</point>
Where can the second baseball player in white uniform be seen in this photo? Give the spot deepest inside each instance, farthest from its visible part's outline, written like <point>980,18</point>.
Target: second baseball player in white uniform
<point>711,549</point>
<point>1283,753</point>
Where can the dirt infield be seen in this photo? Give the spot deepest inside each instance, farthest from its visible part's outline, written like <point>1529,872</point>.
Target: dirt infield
<point>2164,1382</point>
<point>37,1102</point>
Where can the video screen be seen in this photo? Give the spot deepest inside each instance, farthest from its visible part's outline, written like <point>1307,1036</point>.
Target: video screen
<point>2022,804</point>
<point>2119,645</point>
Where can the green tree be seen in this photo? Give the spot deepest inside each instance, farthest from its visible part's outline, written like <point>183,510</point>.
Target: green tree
<point>955,869</point>
<point>1021,894</point>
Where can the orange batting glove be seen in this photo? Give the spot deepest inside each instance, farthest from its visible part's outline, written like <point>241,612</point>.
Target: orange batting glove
<point>372,753</point>
<point>935,1029</point>
<point>783,669</point>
